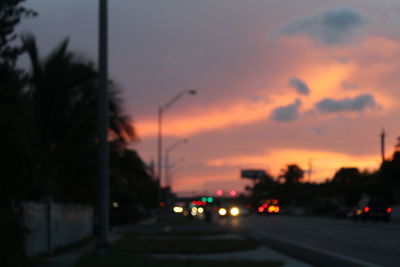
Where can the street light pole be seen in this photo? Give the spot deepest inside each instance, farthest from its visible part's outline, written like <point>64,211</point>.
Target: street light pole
<point>161,110</point>
<point>159,152</point>
<point>103,182</point>
<point>167,152</point>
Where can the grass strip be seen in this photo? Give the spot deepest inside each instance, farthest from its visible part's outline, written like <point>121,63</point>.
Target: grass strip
<point>184,246</point>
<point>75,245</point>
<point>128,260</point>
<point>183,233</point>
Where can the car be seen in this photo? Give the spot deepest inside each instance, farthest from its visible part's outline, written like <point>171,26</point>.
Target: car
<point>372,208</point>
<point>231,211</point>
<point>269,206</point>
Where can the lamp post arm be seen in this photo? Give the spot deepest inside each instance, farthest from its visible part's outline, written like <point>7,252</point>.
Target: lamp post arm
<point>172,101</point>
<point>177,143</point>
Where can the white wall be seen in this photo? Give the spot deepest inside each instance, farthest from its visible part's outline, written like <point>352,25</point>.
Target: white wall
<point>69,223</point>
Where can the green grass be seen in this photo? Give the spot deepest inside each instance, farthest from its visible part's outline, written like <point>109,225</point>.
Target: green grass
<point>37,261</point>
<point>182,233</point>
<point>135,248</point>
<point>177,220</point>
<point>129,260</point>
<point>178,225</point>
<point>185,246</point>
<point>75,245</point>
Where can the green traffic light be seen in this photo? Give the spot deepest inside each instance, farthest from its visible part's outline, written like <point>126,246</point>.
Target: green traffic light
<point>210,199</point>
<point>204,199</point>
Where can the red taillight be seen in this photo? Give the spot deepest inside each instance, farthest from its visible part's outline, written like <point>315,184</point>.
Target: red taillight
<point>389,210</point>
<point>366,209</point>
<point>271,209</point>
<point>260,209</point>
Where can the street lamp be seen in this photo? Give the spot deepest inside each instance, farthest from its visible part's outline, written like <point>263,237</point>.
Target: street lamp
<point>103,168</point>
<point>167,152</point>
<point>161,110</point>
<point>169,172</point>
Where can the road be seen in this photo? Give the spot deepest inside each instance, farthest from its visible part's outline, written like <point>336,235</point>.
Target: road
<point>364,244</point>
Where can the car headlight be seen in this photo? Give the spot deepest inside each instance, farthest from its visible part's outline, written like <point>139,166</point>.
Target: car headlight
<point>234,211</point>
<point>178,209</point>
<point>222,211</point>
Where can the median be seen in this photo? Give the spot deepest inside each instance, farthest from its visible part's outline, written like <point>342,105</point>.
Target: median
<point>177,241</point>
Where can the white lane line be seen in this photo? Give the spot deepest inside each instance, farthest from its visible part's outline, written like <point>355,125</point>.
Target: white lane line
<point>327,252</point>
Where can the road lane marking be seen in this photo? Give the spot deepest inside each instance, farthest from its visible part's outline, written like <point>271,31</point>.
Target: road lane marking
<point>323,251</point>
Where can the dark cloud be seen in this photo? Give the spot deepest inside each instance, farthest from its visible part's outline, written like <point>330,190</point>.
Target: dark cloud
<point>287,113</point>
<point>334,26</point>
<point>300,86</point>
<point>356,104</point>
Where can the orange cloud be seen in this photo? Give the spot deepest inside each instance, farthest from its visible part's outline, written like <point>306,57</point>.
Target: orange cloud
<point>181,126</point>
<point>323,74</point>
<point>322,81</point>
<point>325,163</point>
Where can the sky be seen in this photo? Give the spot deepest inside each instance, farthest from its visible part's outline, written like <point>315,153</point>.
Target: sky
<point>278,81</point>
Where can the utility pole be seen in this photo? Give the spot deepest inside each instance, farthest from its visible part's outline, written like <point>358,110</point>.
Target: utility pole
<point>159,155</point>
<point>103,168</point>
<point>309,169</point>
<point>161,110</point>
<point>383,135</point>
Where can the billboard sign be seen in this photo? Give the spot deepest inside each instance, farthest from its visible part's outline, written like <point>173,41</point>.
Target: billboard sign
<point>253,174</point>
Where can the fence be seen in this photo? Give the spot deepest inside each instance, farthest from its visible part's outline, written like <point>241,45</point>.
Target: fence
<point>52,225</point>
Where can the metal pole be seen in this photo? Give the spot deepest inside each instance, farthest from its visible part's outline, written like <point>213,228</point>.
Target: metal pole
<point>166,165</point>
<point>161,109</point>
<point>383,134</point>
<point>103,194</point>
<point>166,170</point>
<point>159,153</point>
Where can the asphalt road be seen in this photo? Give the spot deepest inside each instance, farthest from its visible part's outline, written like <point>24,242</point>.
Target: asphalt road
<point>323,240</point>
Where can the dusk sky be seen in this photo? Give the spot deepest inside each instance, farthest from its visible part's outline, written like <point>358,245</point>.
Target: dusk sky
<point>279,81</point>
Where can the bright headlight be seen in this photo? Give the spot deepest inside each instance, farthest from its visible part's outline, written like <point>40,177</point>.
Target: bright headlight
<point>222,211</point>
<point>234,211</point>
<point>178,209</point>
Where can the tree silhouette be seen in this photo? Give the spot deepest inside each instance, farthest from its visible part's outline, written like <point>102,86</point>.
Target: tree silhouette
<point>292,174</point>
<point>346,176</point>
<point>14,153</point>
<point>62,89</point>
<point>11,13</point>
<point>263,184</point>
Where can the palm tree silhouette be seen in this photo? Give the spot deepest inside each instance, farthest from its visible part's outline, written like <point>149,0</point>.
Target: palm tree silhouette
<point>62,88</point>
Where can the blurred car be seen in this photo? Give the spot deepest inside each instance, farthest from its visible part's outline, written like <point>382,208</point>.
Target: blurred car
<point>373,208</point>
<point>269,206</point>
<point>231,211</point>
